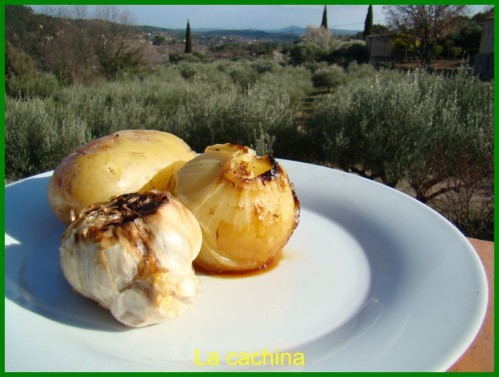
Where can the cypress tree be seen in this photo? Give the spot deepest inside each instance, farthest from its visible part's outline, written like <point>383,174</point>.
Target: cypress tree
<point>368,25</point>
<point>188,39</point>
<point>324,18</point>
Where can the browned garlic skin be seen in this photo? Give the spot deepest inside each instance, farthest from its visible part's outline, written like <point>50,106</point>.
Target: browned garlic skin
<point>245,204</point>
<point>133,254</point>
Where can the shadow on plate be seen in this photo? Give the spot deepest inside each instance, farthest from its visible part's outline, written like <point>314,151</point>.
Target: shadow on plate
<point>33,278</point>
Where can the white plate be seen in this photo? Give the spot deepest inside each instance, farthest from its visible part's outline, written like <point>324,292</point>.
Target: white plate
<point>371,280</point>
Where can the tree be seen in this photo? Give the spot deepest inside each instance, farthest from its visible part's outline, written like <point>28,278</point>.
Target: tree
<point>188,39</point>
<point>426,25</point>
<point>116,40</point>
<point>315,44</point>
<point>158,40</point>
<point>368,25</point>
<point>324,18</point>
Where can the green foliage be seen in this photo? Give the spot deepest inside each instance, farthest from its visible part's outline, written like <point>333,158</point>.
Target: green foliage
<point>318,45</point>
<point>427,25</point>
<point>355,51</point>
<point>262,66</point>
<point>243,75</point>
<point>294,81</point>
<point>18,63</point>
<point>358,71</point>
<point>301,54</point>
<point>208,116</point>
<point>158,40</point>
<point>455,52</point>
<point>262,49</point>
<point>188,39</point>
<point>194,57</point>
<point>468,37</point>
<point>431,132</point>
<point>330,77</point>
<point>324,18</point>
<point>22,78</point>
<point>38,136</point>
<point>39,85</point>
<point>76,51</point>
<point>188,71</point>
<point>415,127</point>
<point>368,24</point>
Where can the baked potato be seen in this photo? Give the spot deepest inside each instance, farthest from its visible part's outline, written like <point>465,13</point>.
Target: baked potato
<point>126,161</point>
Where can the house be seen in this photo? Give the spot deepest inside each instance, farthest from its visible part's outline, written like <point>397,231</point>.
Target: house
<point>380,48</point>
<point>484,60</point>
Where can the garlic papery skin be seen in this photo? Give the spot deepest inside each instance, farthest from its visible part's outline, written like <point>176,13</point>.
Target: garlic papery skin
<point>133,255</point>
<point>245,204</point>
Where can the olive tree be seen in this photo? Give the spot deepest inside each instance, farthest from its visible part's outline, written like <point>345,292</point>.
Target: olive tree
<point>414,127</point>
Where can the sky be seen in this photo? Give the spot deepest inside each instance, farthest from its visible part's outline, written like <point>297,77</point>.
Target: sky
<point>262,17</point>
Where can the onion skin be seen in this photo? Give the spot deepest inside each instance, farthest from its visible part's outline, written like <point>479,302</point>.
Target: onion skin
<point>133,255</point>
<point>246,206</point>
<point>123,162</point>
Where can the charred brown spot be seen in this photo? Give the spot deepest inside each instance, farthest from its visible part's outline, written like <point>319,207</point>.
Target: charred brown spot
<point>297,206</point>
<point>119,210</point>
<point>274,171</point>
<point>131,206</point>
<point>243,169</point>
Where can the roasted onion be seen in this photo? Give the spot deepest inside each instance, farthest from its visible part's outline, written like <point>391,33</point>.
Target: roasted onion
<point>245,204</point>
<point>133,255</point>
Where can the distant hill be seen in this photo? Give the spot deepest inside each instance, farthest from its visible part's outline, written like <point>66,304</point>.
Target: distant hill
<point>282,33</point>
<point>298,30</point>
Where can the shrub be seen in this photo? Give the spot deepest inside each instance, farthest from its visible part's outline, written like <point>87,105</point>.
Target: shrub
<point>294,81</point>
<point>391,122</point>
<point>243,75</point>
<point>250,117</point>
<point>355,51</point>
<point>38,136</point>
<point>188,71</point>
<point>428,130</point>
<point>432,132</point>
<point>455,52</point>
<point>18,63</point>
<point>304,53</point>
<point>263,65</point>
<point>359,71</point>
<point>25,86</point>
<point>328,78</point>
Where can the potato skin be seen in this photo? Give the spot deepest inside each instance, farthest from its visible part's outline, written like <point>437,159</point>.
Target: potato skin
<point>124,162</point>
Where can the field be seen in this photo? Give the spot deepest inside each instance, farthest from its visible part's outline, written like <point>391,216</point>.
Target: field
<point>430,135</point>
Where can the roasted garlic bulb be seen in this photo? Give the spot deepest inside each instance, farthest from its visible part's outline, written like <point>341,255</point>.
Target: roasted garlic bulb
<point>133,255</point>
<point>245,204</point>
